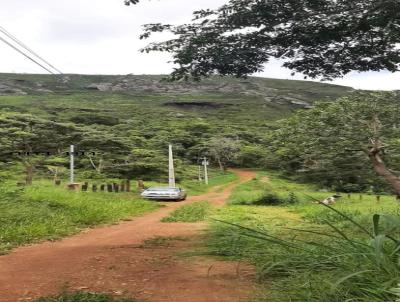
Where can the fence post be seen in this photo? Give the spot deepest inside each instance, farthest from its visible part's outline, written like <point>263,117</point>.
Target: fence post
<point>128,185</point>
<point>140,185</point>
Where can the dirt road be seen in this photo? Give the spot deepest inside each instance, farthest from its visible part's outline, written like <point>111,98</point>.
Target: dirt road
<point>125,259</point>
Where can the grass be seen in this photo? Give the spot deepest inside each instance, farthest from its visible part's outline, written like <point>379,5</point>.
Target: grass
<point>193,212</point>
<point>45,212</point>
<point>307,252</point>
<point>82,296</point>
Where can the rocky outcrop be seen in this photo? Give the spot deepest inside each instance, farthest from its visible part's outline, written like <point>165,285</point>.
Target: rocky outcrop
<point>7,90</point>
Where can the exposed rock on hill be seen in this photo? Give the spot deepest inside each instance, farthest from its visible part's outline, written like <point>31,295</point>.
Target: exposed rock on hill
<point>298,94</point>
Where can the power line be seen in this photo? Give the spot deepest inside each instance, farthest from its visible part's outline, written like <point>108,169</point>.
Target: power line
<point>19,42</point>
<point>25,55</point>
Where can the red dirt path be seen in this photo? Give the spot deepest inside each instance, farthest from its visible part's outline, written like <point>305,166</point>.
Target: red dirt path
<point>113,259</point>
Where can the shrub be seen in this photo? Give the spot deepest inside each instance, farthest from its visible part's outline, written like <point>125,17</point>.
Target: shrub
<point>273,199</point>
<point>269,199</point>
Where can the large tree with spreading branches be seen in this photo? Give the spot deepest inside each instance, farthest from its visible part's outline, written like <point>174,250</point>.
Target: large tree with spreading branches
<point>359,132</point>
<point>318,38</point>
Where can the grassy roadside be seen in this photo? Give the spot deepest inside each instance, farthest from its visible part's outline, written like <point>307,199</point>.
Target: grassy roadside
<point>45,212</point>
<point>306,252</point>
<point>193,212</point>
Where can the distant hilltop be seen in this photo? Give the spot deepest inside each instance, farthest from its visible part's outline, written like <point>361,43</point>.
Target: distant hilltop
<point>284,92</point>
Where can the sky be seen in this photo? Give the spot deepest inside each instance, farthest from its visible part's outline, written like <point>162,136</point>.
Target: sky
<point>102,37</point>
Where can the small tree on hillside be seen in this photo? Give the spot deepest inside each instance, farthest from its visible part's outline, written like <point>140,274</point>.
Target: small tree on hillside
<point>224,150</point>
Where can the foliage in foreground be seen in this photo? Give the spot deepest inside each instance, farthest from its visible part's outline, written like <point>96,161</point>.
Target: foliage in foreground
<point>311,253</point>
<point>84,297</point>
<point>316,266</point>
<point>239,37</point>
<point>193,212</point>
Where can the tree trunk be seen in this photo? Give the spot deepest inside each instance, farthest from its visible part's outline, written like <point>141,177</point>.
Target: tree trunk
<point>381,169</point>
<point>29,174</point>
<point>55,179</point>
<point>221,166</point>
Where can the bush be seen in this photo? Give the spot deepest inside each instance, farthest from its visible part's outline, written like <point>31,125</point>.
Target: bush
<point>269,199</point>
<point>272,199</point>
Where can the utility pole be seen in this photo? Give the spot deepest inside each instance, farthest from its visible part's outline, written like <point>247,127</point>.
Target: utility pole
<point>200,174</point>
<point>171,170</point>
<point>205,164</point>
<point>71,164</point>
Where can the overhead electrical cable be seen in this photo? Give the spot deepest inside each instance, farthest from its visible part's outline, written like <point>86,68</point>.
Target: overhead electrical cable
<point>23,45</point>
<point>25,55</point>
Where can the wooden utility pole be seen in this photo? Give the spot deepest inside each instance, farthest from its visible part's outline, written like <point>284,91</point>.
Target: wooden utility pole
<point>171,170</point>
<point>205,164</point>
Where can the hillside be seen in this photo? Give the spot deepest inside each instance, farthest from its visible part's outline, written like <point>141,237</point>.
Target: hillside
<point>117,114</point>
<point>297,93</point>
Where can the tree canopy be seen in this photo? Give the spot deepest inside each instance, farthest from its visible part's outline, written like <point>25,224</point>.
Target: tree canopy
<point>318,38</point>
<point>342,142</point>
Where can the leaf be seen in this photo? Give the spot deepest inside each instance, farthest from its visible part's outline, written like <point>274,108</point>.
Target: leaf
<point>345,278</point>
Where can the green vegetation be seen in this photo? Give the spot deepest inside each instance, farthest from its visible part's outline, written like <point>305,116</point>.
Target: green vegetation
<point>193,212</point>
<point>209,43</point>
<point>84,297</point>
<point>128,121</point>
<point>343,145</point>
<point>310,252</point>
<point>45,212</point>
<point>303,251</point>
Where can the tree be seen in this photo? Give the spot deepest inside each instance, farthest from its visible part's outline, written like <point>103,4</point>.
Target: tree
<point>318,38</point>
<point>29,140</point>
<point>344,136</point>
<point>224,150</point>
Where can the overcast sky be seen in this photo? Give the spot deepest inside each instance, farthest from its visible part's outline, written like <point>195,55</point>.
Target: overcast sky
<point>101,37</point>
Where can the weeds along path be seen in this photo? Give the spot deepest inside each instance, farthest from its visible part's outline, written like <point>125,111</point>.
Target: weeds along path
<point>125,259</point>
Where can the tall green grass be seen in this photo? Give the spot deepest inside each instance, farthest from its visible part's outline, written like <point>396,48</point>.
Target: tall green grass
<point>45,212</point>
<point>309,252</point>
<point>193,212</point>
